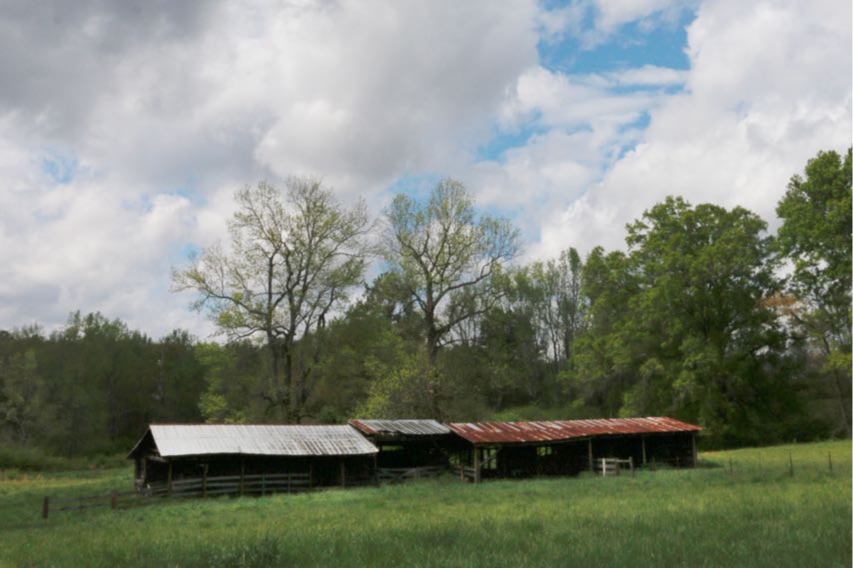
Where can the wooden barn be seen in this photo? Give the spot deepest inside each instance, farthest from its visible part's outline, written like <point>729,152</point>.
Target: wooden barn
<point>321,455</point>
<point>409,448</point>
<point>567,447</point>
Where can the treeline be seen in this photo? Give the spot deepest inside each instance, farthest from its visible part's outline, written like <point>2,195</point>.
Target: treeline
<point>705,317</point>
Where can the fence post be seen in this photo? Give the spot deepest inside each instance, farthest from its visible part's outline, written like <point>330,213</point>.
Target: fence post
<point>790,464</point>
<point>204,482</point>
<point>731,467</point>
<point>631,463</point>
<point>45,507</point>
<point>114,500</point>
<point>264,484</point>
<point>829,457</point>
<point>169,481</point>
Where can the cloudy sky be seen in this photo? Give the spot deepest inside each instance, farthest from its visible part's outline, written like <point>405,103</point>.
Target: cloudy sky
<point>125,127</point>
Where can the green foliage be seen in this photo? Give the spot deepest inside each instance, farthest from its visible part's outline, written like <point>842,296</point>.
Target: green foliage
<point>93,386</point>
<point>815,237</point>
<point>681,326</point>
<point>406,388</point>
<point>817,214</point>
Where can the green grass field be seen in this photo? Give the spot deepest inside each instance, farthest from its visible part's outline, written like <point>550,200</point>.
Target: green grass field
<point>754,515</point>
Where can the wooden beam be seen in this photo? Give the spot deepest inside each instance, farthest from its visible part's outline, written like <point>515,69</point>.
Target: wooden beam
<point>204,481</point>
<point>695,453</point>
<point>476,464</point>
<point>591,461</point>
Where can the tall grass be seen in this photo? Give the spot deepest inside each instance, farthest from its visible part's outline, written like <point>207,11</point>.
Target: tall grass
<point>15,460</point>
<point>752,514</point>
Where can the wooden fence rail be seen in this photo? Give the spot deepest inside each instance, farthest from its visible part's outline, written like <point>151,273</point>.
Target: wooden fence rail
<point>185,488</point>
<point>403,474</point>
<point>610,466</point>
<point>464,472</point>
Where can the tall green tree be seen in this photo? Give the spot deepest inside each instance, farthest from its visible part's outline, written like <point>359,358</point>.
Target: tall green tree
<point>291,262</point>
<point>815,236</point>
<point>696,338</point>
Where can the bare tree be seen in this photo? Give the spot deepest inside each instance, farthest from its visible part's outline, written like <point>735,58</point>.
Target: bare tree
<point>290,263</point>
<point>443,253</point>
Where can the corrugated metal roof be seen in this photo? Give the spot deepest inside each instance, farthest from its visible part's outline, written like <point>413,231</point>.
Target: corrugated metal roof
<point>262,440</point>
<point>401,427</point>
<point>557,430</point>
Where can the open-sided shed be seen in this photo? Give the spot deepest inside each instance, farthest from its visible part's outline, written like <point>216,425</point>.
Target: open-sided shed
<point>328,454</point>
<point>566,447</point>
<point>409,443</point>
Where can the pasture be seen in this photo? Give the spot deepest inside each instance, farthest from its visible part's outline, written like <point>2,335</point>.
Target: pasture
<point>741,508</point>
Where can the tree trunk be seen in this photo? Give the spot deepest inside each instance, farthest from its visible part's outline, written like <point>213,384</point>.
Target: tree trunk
<point>845,416</point>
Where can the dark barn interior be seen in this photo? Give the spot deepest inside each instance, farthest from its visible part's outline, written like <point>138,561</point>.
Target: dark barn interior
<point>567,447</point>
<point>408,443</point>
<point>328,455</point>
<point>374,451</point>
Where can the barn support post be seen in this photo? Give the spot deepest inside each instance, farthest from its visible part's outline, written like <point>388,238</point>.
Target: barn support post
<point>643,440</point>
<point>476,464</point>
<point>343,473</point>
<point>242,474</point>
<point>204,481</point>
<point>375,469</point>
<point>45,507</point>
<point>169,481</point>
<point>591,460</point>
<point>310,475</point>
<point>695,453</point>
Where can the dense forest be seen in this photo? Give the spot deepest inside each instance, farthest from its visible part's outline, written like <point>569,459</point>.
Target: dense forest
<point>704,316</point>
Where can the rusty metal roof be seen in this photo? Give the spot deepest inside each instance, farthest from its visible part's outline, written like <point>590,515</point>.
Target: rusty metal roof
<point>262,440</point>
<point>558,430</point>
<point>401,427</point>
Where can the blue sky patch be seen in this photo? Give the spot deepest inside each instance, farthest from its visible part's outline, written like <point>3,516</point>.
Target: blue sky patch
<point>61,169</point>
<point>503,140</point>
<point>630,46</point>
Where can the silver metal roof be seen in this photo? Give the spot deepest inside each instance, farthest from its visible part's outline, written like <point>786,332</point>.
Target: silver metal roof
<point>263,440</point>
<point>403,427</point>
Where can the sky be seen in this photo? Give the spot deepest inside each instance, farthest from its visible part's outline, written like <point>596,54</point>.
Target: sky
<point>126,127</point>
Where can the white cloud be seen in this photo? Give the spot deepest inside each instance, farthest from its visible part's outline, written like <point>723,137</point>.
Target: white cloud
<point>167,108</point>
<point>152,116</point>
<point>769,87</point>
